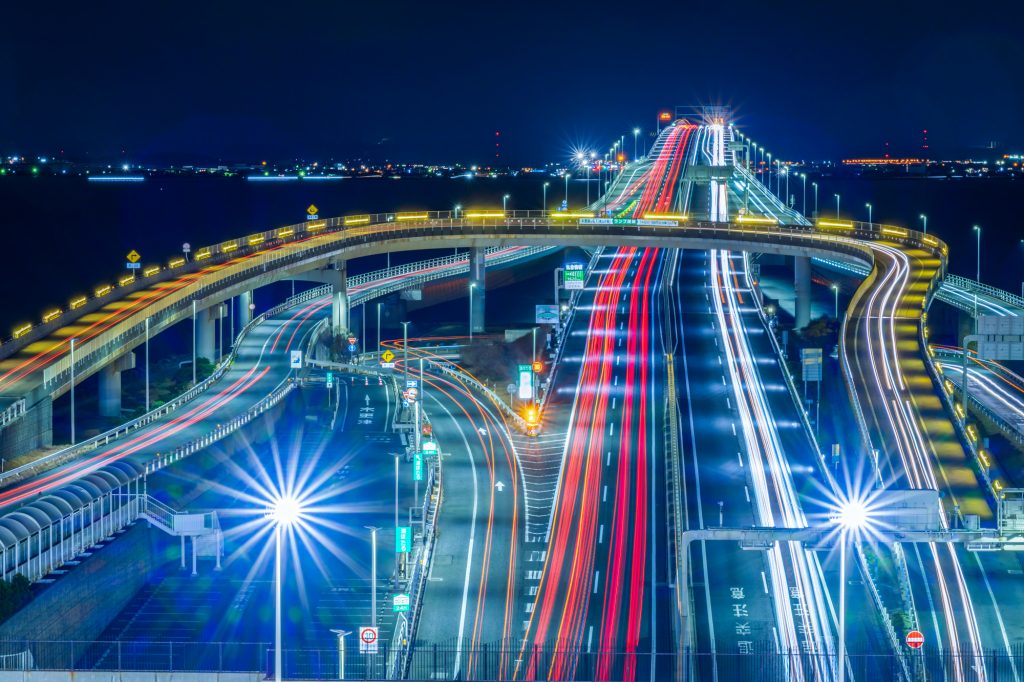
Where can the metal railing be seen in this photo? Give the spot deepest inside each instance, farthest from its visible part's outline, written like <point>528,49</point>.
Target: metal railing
<point>790,381</point>
<point>969,444</point>
<point>336,235</point>
<point>121,430</point>
<point>12,412</point>
<point>1008,429</point>
<point>463,377</point>
<point>974,286</point>
<point>436,268</point>
<point>223,430</point>
<point>753,661</point>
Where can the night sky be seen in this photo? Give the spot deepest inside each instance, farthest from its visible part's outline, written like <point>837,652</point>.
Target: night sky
<point>433,81</point>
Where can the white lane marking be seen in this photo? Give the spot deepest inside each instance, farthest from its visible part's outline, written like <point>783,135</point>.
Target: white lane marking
<point>734,428</point>
<point>613,402</point>
<point>597,579</point>
<point>608,458</point>
<point>764,582</point>
<point>728,403</point>
<point>746,491</point>
<point>723,381</point>
<point>620,342</point>
<point>472,537</point>
<point>604,496</point>
<point>611,429</point>
<point>600,534</point>
<point>590,636</point>
<point>615,380</point>
<point>740,458</point>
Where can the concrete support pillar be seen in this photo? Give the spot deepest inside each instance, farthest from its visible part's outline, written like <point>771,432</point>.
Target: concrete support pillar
<point>206,333</point>
<point>110,385</point>
<point>243,315</point>
<point>339,301</point>
<point>478,286</point>
<point>802,288</point>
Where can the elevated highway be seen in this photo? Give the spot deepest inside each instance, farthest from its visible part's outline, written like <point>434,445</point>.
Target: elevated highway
<point>100,477</point>
<point>894,390</point>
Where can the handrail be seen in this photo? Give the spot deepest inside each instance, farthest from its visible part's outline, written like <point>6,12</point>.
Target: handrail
<point>334,235</point>
<point>449,369</point>
<point>948,287</point>
<point>1008,429</point>
<point>959,425</point>
<point>13,412</point>
<point>401,651</point>
<point>105,438</point>
<point>222,430</point>
<point>974,286</point>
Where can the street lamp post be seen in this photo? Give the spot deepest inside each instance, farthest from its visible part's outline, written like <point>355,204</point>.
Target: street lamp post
<point>803,202</point>
<point>73,390</point>
<point>284,512</point>
<point>852,518</point>
<point>398,456</point>
<point>567,176</point>
<point>924,221</point>
<point>277,603</point>
<point>194,332</point>
<point>373,574</point>
<point>636,133</point>
<point>769,171</point>
<point>504,202</point>
<point>835,289</point>
<point>147,364</point>
<point>472,285</point>
<point>837,205</point>
<point>341,651</point>
<point>378,331</point>
<point>978,231</point>
<point>405,350</point>
<point>544,202</point>
<point>815,185</point>
<point>868,206</point>
<point>588,184</point>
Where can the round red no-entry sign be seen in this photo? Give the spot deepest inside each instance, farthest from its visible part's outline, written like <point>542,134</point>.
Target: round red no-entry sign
<point>915,639</point>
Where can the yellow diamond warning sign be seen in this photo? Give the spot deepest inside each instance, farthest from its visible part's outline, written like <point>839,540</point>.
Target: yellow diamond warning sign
<point>133,256</point>
<point>387,356</point>
<point>312,210</point>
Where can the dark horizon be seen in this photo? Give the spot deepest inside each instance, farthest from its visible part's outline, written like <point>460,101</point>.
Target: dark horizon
<point>416,83</point>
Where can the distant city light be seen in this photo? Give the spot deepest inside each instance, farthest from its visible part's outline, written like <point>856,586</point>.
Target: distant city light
<point>116,178</point>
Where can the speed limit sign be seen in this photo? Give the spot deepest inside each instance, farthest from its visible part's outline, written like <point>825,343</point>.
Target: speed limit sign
<point>368,640</point>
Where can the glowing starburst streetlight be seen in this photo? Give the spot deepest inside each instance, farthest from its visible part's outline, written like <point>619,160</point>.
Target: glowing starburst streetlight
<point>284,511</point>
<point>853,518</point>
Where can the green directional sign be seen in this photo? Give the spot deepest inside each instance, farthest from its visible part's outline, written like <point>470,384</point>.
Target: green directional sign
<point>417,466</point>
<point>574,276</point>
<point>403,540</point>
<point>400,603</point>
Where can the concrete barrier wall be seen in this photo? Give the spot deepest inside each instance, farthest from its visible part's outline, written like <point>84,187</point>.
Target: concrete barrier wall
<point>81,603</point>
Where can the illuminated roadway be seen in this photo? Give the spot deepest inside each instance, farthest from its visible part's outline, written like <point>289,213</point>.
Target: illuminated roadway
<point>959,596</point>
<point>958,602</point>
